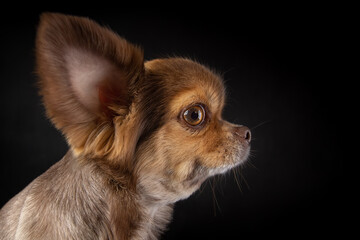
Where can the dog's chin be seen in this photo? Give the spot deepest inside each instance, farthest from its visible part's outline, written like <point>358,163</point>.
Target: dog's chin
<point>237,158</point>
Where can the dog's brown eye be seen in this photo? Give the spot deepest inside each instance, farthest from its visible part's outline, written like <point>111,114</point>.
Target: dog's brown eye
<point>194,115</point>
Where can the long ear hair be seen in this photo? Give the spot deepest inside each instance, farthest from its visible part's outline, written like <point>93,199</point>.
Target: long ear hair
<point>88,77</point>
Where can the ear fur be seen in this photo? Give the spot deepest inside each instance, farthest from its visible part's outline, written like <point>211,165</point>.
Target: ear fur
<point>87,77</point>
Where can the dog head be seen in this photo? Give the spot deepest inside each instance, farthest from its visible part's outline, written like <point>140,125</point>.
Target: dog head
<point>159,121</point>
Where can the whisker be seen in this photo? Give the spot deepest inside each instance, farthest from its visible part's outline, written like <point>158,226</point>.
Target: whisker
<point>235,172</point>
<point>227,71</point>
<point>260,124</point>
<point>244,180</point>
<point>250,164</point>
<point>222,180</point>
<point>201,189</point>
<point>215,201</point>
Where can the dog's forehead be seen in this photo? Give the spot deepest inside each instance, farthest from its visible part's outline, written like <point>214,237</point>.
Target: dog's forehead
<point>188,82</point>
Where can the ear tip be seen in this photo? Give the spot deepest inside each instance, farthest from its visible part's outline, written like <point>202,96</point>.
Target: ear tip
<point>49,20</point>
<point>48,16</point>
<point>54,20</point>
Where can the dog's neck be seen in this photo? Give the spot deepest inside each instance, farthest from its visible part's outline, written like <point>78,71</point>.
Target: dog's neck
<point>132,213</point>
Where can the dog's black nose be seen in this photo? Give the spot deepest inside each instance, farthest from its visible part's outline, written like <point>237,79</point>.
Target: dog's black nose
<point>243,133</point>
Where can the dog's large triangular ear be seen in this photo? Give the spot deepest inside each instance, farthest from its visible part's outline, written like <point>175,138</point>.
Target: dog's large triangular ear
<point>87,75</point>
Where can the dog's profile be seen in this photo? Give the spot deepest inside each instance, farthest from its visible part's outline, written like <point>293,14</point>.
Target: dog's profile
<point>142,136</point>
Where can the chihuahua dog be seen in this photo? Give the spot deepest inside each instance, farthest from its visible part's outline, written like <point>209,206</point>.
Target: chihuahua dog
<point>142,135</point>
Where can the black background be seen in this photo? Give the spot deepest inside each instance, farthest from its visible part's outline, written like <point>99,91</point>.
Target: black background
<point>279,78</point>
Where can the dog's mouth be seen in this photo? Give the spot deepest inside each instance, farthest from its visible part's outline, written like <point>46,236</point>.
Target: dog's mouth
<point>238,155</point>
<point>200,173</point>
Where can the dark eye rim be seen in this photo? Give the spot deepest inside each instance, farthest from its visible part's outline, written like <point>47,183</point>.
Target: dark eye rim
<point>204,119</point>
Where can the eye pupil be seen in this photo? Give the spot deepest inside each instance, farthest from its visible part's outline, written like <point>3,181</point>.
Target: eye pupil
<point>194,115</point>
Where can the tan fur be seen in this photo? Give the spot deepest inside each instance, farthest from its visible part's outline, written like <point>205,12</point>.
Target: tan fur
<point>132,154</point>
